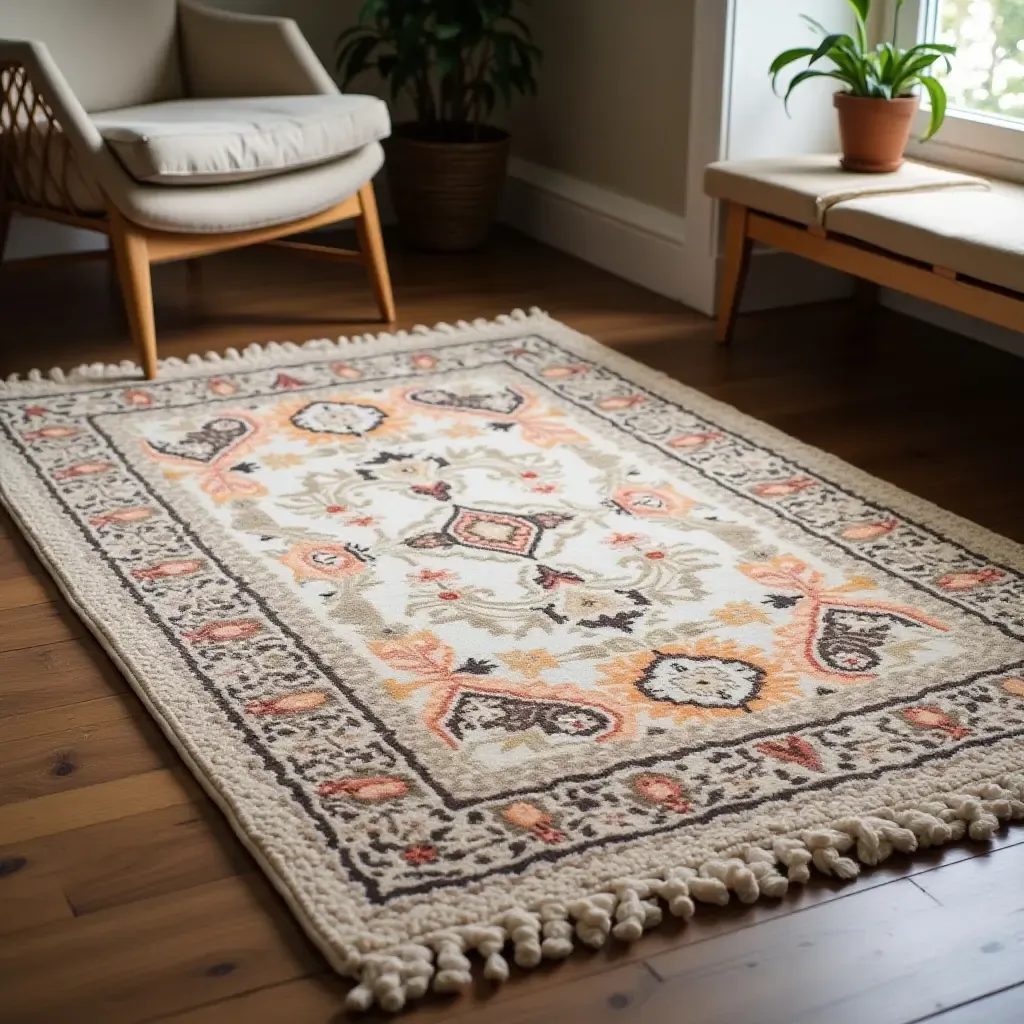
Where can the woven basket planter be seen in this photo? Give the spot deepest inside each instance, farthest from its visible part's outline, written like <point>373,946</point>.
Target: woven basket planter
<point>446,194</point>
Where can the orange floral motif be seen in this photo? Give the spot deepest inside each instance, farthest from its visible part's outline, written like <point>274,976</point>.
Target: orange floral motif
<point>740,613</point>
<point>432,664</point>
<point>653,502</point>
<point>312,561</point>
<point>529,663</point>
<point>709,678</point>
<point>219,477</point>
<point>800,637</point>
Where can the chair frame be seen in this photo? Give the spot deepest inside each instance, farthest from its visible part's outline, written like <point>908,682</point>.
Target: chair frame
<point>29,127</point>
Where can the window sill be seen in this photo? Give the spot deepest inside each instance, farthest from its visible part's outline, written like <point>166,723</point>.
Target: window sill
<point>983,145</point>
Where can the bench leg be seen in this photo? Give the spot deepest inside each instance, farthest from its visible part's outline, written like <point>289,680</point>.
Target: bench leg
<point>734,270</point>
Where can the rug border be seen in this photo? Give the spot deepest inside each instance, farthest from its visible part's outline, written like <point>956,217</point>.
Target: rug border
<point>390,977</point>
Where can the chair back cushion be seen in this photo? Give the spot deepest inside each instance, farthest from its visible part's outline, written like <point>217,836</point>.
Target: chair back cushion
<point>114,53</point>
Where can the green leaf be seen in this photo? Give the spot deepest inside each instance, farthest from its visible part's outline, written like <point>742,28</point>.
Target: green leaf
<point>786,58</point>
<point>826,44</point>
<point>861,9</point>
<point>937,95</point>
<point>805,75</point>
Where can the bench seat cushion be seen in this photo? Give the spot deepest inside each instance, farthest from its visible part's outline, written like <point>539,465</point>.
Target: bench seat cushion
<point>979,235</point>
<point>221,141</point>
<point>804,189</point>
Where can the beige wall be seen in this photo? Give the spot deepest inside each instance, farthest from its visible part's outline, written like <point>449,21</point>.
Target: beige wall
<point>613,107</point>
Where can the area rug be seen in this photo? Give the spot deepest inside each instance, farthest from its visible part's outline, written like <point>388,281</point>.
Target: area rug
<point>490,641</point>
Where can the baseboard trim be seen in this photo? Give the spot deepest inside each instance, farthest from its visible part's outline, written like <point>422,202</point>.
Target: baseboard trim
<point>628,238</point>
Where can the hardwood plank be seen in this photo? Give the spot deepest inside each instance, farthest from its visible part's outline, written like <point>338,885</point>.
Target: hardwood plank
<point>26,590</point>
<point>56,675</point>
<point>155,956</point>
<point>59,812</point>
<point>890,964</point>
<point>38,624</point>
<point>116,742</point>
<point>616,995</point>
<point>27,902</point>
<point>995,878</point>
<point>1006,1007</point>
<point>84,715</point>
<point>134,857</point>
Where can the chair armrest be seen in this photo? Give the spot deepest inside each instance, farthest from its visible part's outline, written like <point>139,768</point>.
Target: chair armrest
<point>228,54</point>
<point>45,81</point>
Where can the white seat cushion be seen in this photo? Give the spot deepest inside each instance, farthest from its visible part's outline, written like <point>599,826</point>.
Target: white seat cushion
<point>219,141</point>
<point>977,234</point>
<point>805,188</point>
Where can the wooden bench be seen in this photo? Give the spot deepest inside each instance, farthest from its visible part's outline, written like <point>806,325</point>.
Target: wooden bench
<point>939,235</point>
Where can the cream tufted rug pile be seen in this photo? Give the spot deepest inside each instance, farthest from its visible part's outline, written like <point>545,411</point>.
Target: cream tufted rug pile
<point>489,640</point>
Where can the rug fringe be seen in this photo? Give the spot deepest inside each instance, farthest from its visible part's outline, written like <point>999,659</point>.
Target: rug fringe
<point>255,356</point>
<point>626,908</point>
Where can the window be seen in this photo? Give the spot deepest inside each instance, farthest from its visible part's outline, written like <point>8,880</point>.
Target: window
<point>985,124</point>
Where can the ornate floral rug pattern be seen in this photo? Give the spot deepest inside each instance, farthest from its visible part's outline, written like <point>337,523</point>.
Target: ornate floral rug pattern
<point>488,639</point>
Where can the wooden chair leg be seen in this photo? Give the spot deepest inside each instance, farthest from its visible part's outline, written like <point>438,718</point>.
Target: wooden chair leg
<point>734,271</point>
<point>131,254</point>
<point>371,243</point>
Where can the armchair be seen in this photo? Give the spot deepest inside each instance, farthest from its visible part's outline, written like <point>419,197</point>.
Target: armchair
<point>179,130</point>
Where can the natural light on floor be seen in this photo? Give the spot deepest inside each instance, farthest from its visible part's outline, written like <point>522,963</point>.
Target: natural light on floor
<point>988,73</point>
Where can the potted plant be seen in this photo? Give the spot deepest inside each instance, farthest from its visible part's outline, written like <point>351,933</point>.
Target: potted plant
<point>877,106</point>
<point>454,60</point>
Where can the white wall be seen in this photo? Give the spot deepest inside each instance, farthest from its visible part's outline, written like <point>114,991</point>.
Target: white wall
<point>736,116</point>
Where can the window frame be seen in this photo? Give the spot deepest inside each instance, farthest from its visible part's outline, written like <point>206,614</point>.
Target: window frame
<point>972,140</point>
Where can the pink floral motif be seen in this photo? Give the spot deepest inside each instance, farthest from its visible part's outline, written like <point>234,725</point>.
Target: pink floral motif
<point>956,581</point>
<point>55,433</point>
<point>122,515</point>
<point>869,531</point>
<point>432,575</point>
<point>222,387</point>
<point>369,790</point>
<point>660,789</point>
<point>135,396</point>
<point>345,371</point>
<point>932,717</point>
<point>694,440</point>
<point>288,703</point>
<point>224,632</point>
<point>82,469</point>
<point>424,361</point>
<point>174,567</point>
<point>619,402</point>
<point>783,488</point>
<point>416,855</point>
<point>531,818</point>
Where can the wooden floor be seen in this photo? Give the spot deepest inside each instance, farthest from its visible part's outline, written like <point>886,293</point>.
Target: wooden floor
<point>123,895</point>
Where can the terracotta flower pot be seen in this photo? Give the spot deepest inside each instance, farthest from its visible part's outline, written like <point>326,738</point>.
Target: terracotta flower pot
<point>874,132</point>
<point>446,193</point>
